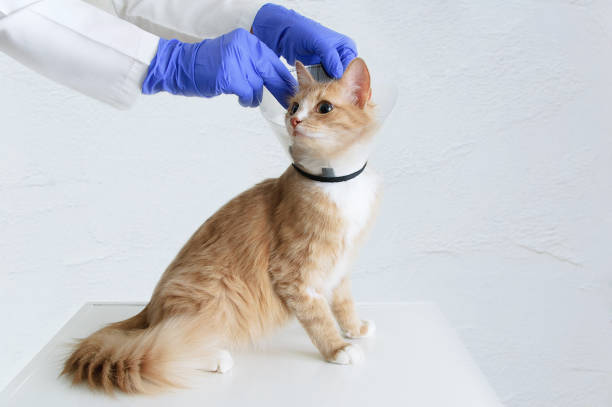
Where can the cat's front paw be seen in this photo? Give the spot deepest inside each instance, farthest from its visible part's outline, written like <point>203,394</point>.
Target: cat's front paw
<point>367,328</point>
<point>347,355</point>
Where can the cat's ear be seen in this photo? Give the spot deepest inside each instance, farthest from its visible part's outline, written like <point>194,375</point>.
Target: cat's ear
<point>304,77</point>
<point>356,79</point>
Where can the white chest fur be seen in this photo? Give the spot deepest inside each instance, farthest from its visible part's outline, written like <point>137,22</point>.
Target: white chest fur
<point>355,201</point>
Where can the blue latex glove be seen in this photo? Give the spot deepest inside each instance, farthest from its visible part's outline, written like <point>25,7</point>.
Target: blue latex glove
<point>236,63</point>
<point>296,37</point>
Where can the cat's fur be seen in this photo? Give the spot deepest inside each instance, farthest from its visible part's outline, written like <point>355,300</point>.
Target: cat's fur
<point>278,249</point>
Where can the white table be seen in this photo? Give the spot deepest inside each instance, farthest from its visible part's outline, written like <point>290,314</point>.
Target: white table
<point>415,359</point>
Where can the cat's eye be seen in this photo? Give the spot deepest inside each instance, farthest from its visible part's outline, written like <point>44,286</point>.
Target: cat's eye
<point>294,108</point>
<point>325,107</point>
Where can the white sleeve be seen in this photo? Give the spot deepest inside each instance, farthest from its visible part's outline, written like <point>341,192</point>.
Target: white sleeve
<point>78,45</point>
<point>189,20</point>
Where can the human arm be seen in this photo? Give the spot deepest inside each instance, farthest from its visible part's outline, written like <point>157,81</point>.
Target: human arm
<point>233,63</point>
<point>98,54</point>
<point>78,45</point>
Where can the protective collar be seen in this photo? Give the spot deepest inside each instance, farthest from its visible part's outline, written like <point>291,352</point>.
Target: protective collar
<point>328,174</point>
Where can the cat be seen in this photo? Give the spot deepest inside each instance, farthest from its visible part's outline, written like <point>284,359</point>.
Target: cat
<point>277,250</point>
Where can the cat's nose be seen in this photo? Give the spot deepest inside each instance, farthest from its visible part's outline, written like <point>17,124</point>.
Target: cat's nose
<point>295,121</point>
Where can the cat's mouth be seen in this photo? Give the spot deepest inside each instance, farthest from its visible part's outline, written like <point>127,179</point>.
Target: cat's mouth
<point>301,133</point>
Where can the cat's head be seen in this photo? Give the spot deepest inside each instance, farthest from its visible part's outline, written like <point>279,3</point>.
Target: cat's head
<point>331,124</point>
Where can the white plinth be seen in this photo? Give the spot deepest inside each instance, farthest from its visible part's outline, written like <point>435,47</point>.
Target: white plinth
<point>415,359</point>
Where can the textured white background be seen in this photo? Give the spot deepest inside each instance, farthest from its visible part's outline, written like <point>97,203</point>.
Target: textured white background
<point>498,206</point>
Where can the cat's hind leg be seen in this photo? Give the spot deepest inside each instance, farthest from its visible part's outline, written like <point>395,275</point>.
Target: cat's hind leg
<point>219,361</point>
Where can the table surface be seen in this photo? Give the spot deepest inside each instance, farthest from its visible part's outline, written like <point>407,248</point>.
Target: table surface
<point>415,359</point>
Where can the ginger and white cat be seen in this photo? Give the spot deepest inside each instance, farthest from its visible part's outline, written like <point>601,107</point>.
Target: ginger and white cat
<point>279,249</point>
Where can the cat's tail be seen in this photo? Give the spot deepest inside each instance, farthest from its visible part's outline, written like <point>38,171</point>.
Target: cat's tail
<point>136,358</point>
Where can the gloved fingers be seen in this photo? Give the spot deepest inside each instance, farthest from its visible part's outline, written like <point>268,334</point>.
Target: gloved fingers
<point>281,90</point>
<point>346,56</point>
<point>309,59</point>
<point>244,92</point>
<point>331,62</point>
<point>257,95</point>
<point>257,85</point>
<point>246,99</point>
<point>276,77</point>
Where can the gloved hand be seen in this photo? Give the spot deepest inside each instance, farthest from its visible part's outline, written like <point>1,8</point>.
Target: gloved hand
<point>296,37</point>
<point>236,63</point>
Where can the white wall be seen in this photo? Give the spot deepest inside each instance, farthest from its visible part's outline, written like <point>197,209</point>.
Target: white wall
<point>497,160</point>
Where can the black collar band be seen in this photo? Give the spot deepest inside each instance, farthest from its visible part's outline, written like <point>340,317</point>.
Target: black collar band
<point>321,178</point>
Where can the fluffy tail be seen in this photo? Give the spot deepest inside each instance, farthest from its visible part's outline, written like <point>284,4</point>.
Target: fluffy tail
<point>136,358</point>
